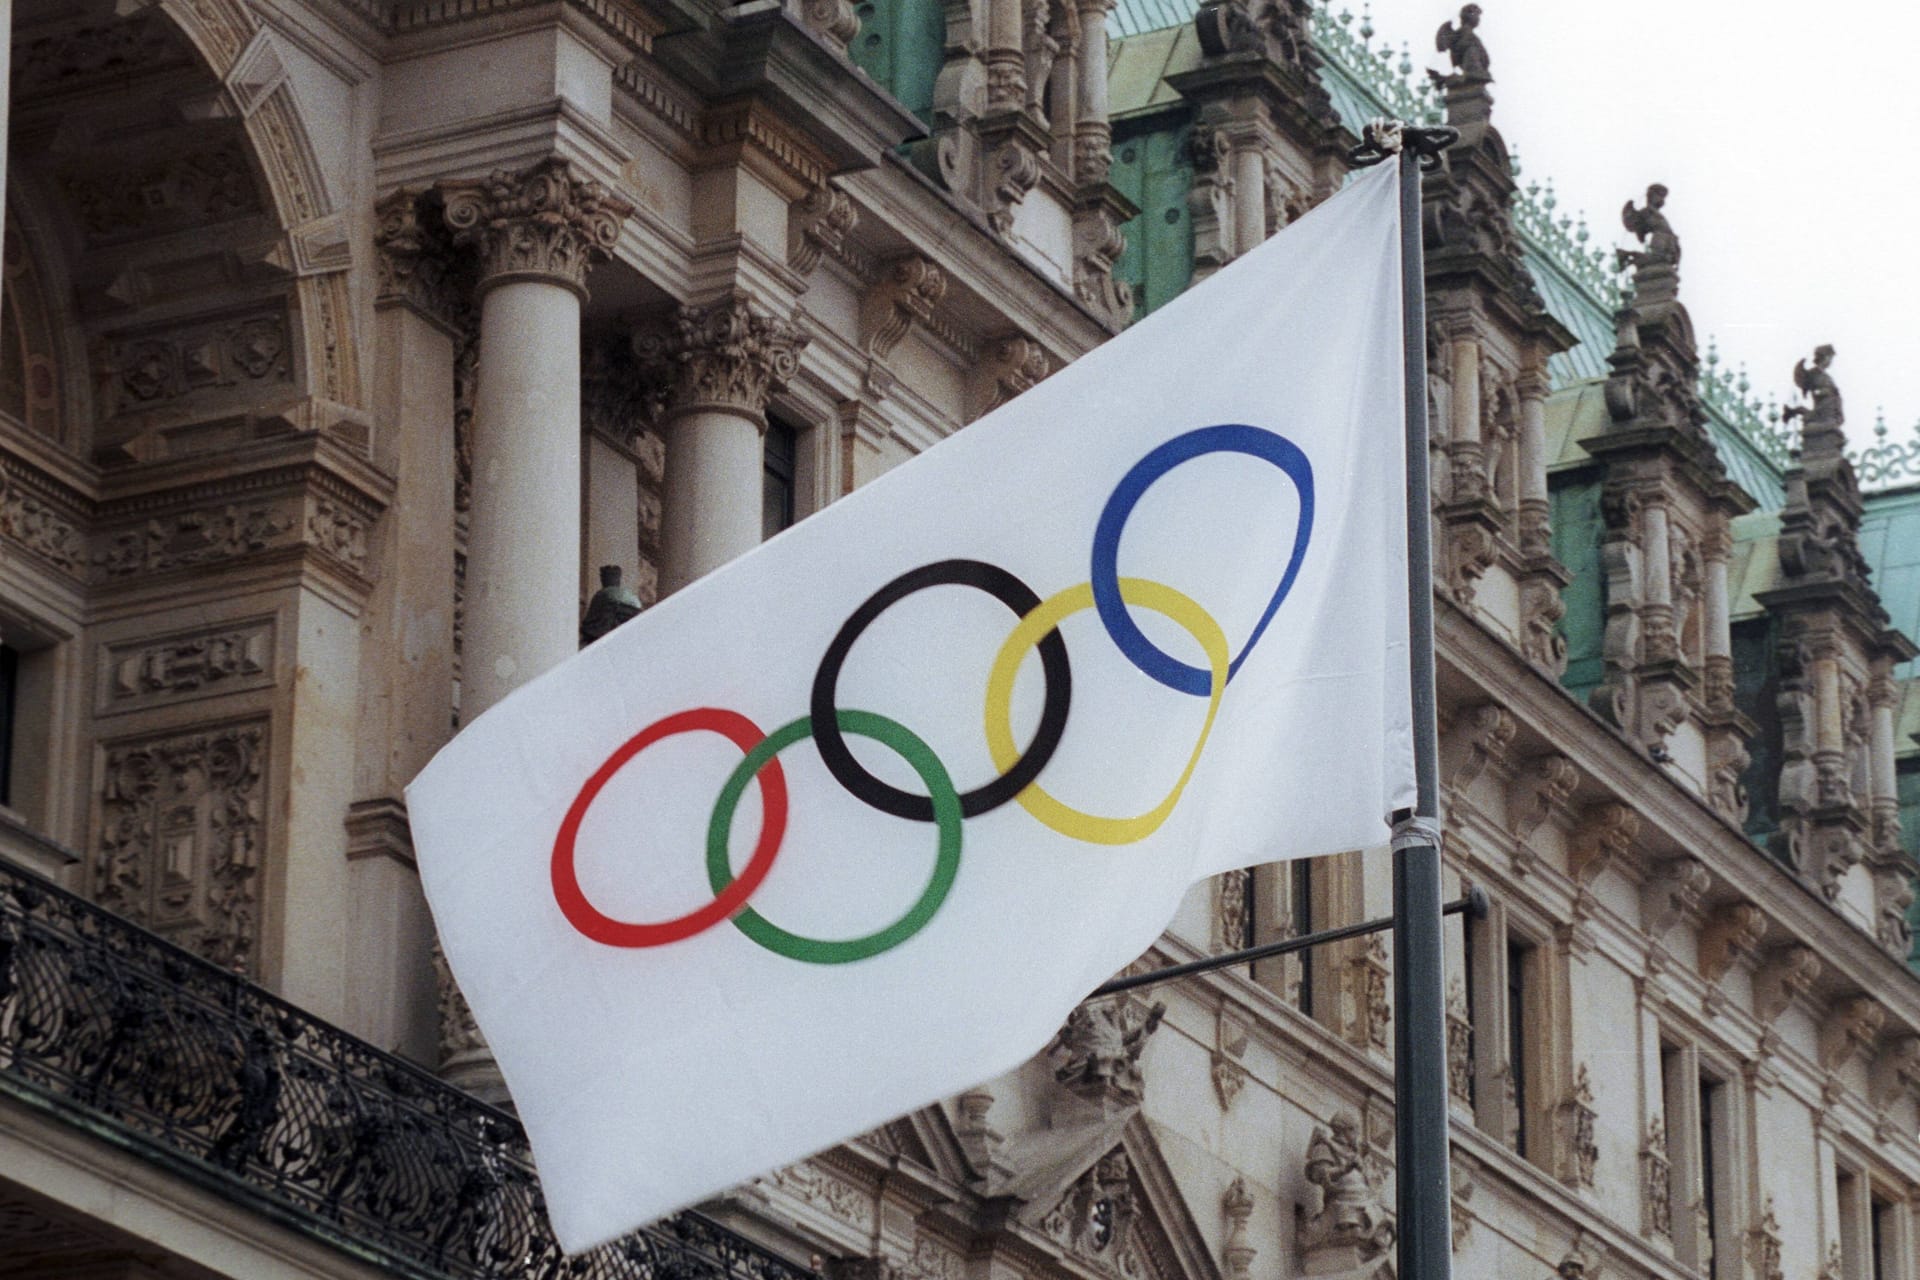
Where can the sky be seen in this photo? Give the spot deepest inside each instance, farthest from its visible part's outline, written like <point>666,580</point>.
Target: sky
<point>1783,132</point>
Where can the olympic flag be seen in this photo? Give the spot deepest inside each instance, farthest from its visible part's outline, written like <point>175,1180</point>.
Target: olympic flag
<point>852,823</point>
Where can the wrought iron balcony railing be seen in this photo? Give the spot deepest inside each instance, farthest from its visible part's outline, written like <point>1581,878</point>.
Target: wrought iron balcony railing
<point>165,1055</point>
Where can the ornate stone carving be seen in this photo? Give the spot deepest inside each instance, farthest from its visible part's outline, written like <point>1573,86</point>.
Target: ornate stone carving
<point>906,293</point>
<point>413,257</point>
<point>1541,609</point>
<point>1725,790</point>
<point>1659,245</point>
<point>976,1134</point>
<point>1097,1052</point>
<point>1573,1121</point>
<point>1009,365</point>
<point>459,1034</point>
<point>182,829</point>
<point>1459,1044</point>
<point>541,223</point>
<point>220,660</point>
<point>139,44</point>
<point>150,371</point>
<point>1656,1182</point>
<point>1099,212</point>
<point>1274,28</point>
<point>340,531</point>
<point>1733,933</point>
<point>835,21</point>
<point>1582,1261</point>
<point>1895,1071</point>
<point>1229,1053</point>
<point>1850,1028</point>
<point>30,521</point>
<point>1544,787</point>
<point>1484,740</point>
<point>1763,1246</point>
<point>833,1195</point>
<point>156,197</point>
<point>1351,1221</point>
<point>1673,891</point>
<point>1466,1172</point>
<point>819,222</point>
<point>194,538</point>
<point>1604,837</point>
<point>1787,973</point>
<point>725,357</point>
<point>1237,1252</point>
<point>1094,1221</point>
<point>1230,917</point>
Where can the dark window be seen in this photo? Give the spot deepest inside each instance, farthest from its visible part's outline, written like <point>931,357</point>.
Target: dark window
<point>776,492</point>
<point>1708,1098</point>
<point>1518,954</point>
<point>1300,874</point>
<point>9,683</point>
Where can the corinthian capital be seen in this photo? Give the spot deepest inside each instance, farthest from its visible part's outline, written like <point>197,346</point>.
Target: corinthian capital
<point>541,223</point>
<point>725,357</point>
<point>415,258</point>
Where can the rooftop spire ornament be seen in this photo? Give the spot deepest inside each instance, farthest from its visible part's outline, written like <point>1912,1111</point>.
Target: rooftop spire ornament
<point>1462,44</point>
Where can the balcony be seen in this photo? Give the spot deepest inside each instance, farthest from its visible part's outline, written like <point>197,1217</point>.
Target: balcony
<point>223,1085</point>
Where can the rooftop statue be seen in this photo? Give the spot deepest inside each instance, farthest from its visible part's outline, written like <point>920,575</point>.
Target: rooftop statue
<point>1822,409</point>
<point>1463,45</point>
<point>1650,225</point>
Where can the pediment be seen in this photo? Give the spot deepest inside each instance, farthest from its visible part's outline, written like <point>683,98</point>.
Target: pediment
<point>1111,1206</point>
<point>924,1139</point>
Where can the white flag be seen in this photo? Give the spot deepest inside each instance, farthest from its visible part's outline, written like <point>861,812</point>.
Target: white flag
<point>852,823</point>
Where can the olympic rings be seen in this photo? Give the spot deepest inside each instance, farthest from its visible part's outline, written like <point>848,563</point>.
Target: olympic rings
<point>944,803</point>
<point>1014,776</point>
<point>588,919</point>
<point>1038,627</point>
<point>1226,438</point>
<point>1068,821</point>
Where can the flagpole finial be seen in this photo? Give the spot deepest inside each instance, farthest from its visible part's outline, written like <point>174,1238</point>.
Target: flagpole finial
<point>1385,136</point>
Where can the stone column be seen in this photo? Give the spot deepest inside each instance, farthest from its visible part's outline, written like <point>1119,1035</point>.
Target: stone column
<point>1656,612</point>
<point>406,663</point>
<point>1092,131</point>
<point>1469,472</point>
<point>1006,56</point>
<point>719,365</point>
<point>537,232</point>
<point>1249,194</point>
<point>1883,696</point>
<point>1535,508</point>
<point>1716,550</point>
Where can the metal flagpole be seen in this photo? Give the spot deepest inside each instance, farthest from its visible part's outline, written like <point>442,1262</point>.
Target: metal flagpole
<point>1423,1203</point>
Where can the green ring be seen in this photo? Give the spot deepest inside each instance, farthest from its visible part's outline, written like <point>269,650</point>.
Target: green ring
<point>946,816</point>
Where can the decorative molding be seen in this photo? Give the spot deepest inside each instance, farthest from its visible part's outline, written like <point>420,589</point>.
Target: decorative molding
<point>1672,892</point>
<point>1656,1182</point>
<point>1574,1121</point>
<point>1096,1053</point>
<point>231,658</point>
<point>187,538</point>
<point>1459,1044</point>
<point>1484,740</point>
<point>1763,1246</point>
<point>38,525</point>
<point>905,293</point>
<point>812,1184</point>
<point>188,191</point>
<point>541,223</point>
<point>750,133</point>
<point>1229,1070</point>
<point>1007,365</point>
<point>180,837</point>
<point>414,257</point>
<point>1542,790</point>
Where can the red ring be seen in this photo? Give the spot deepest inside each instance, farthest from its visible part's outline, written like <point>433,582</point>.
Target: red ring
<point>588,919</point>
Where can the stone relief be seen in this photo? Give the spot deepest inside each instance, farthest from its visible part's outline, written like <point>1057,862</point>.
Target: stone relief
<point>1656,1182</point>
<point>31,522</point>
<point>1229,1071</point>
<point>1352,1220</point>
<point>808,1182</point>
<point>1459,1044</point>
<point>414,259</point>
<point>225,659</point>
<point>1574,1121</point>
<point>193,538</point>
<point>159,196</point>
<point>182,830</point>
<point>1237,1252</point>
<point>1232,900</point>
<point>1097,1052</point>
<point>820,221</point>
<point>149,372</point>
<point>1763,1246</point>
<point>1096,1218</point>
<point>340,531</point>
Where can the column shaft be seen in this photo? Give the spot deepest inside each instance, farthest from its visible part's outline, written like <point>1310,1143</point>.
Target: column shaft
<point>713,488</point>
<point>523,545</point>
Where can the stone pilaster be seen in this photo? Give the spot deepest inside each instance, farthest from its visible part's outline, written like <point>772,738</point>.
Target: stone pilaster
<point>716,367</point>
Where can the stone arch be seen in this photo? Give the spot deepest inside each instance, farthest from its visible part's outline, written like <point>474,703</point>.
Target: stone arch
<point>244,57</point>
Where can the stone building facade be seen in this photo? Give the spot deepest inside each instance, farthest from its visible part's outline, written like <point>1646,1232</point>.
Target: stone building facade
<point>343,341</point>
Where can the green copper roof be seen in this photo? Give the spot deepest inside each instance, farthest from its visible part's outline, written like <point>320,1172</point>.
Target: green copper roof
<point>1138,67</point>
<point>1890,541</point>
<point>1137,17</point>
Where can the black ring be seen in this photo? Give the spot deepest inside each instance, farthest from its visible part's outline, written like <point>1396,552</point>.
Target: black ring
<point>1008,590</point>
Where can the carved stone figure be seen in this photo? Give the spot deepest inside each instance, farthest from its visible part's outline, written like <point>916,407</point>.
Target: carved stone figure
<point>1661,247</point>
<point>1350,1212</point>
<point>1463,45</point>
<point>611,605</point>
<point>1823,408</point>
<point>1099,1049</point>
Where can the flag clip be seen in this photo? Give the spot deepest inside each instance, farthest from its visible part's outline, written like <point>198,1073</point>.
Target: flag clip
<point>1385,136</point>
<point>1415,832</point>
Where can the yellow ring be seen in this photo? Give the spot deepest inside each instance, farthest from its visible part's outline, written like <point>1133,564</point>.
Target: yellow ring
<point>1065,819</point>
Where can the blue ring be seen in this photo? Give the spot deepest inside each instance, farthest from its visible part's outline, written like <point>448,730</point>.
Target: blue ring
<point>1229,437</point>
